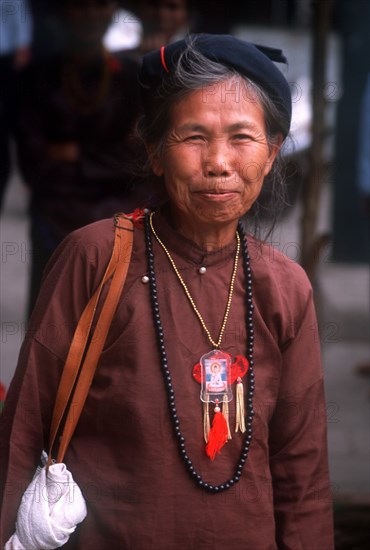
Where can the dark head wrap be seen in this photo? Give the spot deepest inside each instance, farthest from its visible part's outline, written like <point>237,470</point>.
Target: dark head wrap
<point>254,62</point>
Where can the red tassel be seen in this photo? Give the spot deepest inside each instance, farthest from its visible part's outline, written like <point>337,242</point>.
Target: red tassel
<point>217,436</point>
<point>137,217</point>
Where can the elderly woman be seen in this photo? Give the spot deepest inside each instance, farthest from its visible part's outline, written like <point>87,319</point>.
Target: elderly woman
<point>213,350</point>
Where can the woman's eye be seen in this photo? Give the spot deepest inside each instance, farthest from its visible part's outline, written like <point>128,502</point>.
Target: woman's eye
<point>242,137</point>
<point>195,137</point>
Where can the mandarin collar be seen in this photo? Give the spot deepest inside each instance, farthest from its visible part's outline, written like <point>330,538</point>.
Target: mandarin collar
<point>187,249</point>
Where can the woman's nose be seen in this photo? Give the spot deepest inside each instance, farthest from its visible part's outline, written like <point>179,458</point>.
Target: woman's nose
<point>216,162</point>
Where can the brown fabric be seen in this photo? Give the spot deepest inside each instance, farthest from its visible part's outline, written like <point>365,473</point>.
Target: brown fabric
<point>124,455</point>
<point>86,346</point>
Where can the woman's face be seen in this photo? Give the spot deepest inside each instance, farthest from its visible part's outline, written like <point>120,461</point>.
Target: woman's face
<point>216,155</point>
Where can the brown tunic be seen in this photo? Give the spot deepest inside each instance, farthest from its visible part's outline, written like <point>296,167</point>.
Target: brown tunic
<point>124,453</point>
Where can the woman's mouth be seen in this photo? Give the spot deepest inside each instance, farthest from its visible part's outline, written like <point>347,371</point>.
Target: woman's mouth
<point>217,196</point>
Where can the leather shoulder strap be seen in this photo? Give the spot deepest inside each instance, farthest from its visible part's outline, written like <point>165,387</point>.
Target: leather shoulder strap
<point>117,270</point>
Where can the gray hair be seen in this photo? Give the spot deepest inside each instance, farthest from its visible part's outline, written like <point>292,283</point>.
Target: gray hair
<point>194,72</point>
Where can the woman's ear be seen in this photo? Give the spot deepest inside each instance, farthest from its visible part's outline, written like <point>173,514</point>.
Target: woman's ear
<point>155,161</point>
<point>274,148</point>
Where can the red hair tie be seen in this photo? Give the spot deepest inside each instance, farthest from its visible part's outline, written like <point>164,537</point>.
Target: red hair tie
<point>163,61</point>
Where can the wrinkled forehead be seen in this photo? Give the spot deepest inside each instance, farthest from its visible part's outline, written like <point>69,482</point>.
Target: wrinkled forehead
<point>232,91</point>
<point>235,89</point>
<point>228,105</point>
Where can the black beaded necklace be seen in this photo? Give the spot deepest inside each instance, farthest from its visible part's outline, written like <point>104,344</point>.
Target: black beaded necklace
<point>167,375</point>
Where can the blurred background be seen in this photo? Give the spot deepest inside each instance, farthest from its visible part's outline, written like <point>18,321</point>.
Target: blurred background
<point>68,156</point>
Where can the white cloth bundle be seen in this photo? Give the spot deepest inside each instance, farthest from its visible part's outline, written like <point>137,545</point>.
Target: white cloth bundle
<point>51,507</point>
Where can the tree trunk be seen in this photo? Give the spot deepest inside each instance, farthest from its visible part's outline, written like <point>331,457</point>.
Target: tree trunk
<point>311,242</point>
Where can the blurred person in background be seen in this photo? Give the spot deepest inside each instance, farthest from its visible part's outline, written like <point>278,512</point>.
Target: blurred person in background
<point>163,21</point>
<point>351,230</point>
<point>76,114</point>
<point>363,163</point>
<point>363,174</point>
<point>15,53</point>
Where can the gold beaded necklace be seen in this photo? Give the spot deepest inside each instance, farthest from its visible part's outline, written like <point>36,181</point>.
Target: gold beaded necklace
<point>215,344</point>
<point>214,370</point>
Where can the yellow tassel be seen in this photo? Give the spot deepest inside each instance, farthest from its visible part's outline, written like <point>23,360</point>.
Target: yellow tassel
<point>225,412</point>
<point>206,422</point>
<point>240,414</point>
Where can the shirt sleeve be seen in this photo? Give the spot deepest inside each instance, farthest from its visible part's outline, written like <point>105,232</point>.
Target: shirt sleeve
<point>298,444</point>
<point>71,276</point>
<point>24,427</point>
